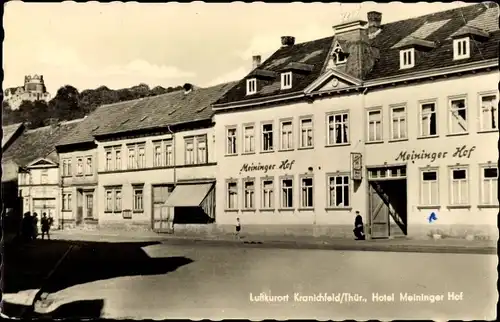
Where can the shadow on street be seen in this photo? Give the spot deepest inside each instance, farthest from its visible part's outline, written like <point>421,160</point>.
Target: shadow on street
<point>86,309</point>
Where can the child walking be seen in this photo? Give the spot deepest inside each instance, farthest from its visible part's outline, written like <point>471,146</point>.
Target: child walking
<point>238,228</point>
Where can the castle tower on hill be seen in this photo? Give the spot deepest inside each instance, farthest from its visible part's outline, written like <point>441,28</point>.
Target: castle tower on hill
<point>33,90</point>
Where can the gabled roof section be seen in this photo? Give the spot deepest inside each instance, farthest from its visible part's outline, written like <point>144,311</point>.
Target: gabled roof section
<point>9,133</point>
<point>41,162</point>
<point>348,80</point>
<point>313,53</point>
<point>437,29</point>
<point>154,112</point>
<point>38,143</point>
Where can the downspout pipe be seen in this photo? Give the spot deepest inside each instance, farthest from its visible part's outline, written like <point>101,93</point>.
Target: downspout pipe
<point>174,148</point>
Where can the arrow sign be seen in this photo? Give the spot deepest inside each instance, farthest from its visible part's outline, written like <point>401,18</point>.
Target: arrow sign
<point>432,217</point>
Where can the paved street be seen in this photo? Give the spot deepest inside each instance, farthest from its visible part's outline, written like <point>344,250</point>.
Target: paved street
<point>216,282</point>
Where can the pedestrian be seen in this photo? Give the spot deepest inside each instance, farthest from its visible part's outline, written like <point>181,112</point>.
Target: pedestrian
<point>359,230</point>
<point>26,227</point>
<point>35,226</point>
<point>45,226</point>
<point>238,228</point>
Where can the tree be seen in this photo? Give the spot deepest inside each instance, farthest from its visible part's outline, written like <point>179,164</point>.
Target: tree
<point>65,105</point>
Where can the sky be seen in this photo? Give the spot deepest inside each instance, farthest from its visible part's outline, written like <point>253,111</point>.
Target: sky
<point>119,45</point>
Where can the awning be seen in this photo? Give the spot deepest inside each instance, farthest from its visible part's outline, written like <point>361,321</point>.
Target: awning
<point>188,195</point>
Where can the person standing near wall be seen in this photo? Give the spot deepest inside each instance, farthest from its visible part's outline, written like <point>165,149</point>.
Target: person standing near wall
<point>359,227</point>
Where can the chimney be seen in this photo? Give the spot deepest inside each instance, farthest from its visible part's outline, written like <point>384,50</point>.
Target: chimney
<point>256,61</point>
<point>374,21</point>
<point>353,30</point>
<point>287,41</point>
<point>187,88</point>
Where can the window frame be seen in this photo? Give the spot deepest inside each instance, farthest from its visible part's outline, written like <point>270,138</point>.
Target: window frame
<point>117,151</point>
<point>457,43</point>
<point>284,84</point>
<point>168,156</point>
<point>157,157</point>
<point>301,143</point>
<point>251,89</point>
<point>301,191</point>
<point>406,54</point>
<point>494,198</point>
<point>244,138</point>
<point>79,166</point>
<point>291,142</point>
<point>244,194</point>
<point>235,140</point>
<point>332,115</point>
<point>202,138</point>
<point>89,167</point>
<point>450,114</point>
<point>273,136</point>
<point>421,202</point>
<point>189,140</point>
<point>135,189</point>
<point>367,126</point>
<point>480,111</point>
<point>114,190</point>
<point>331,204</point>
<point>421,115</point>
<point>227,195</point>
<point>452,202</point>
<point>262,194</point>
<point>391,123</point>
<point>131,164</point>
<point>66,201</point>
<point>141,158</point>
<point>292,188</point>
<point>108,163</point>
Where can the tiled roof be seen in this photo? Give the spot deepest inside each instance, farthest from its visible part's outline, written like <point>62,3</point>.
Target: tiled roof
<point>8,132</point>
<point>437,28</point>
<point>432,31</point>
<point>311,53</point>
<point>37,143</point>
<point>163,110</point>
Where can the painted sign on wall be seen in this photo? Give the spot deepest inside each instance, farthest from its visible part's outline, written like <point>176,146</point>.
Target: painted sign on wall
<point>460,152</point>
<point>283,165</point>
<point>356,166</point>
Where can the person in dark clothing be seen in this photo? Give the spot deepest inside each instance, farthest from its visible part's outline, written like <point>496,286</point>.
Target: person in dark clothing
<point>359,230</point>
<point>45,226</point>
<point>26,227</point>
<point>34,229</point>
<point>238,228</point>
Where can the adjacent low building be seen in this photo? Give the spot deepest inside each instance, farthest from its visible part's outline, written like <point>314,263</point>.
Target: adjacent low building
<point>397,121</point>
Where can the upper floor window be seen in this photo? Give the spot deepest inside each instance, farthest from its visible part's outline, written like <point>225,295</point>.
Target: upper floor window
<point>461,48</point>
<point>338,55</point>
<point>398,123</point>
<point>231,137</point>
<point>189,159</point>
<point>66,164</point>
<point>306,133</point>
<point>88,166</point>
<point>118,159</point>
<point>169,153</point>
<point>375,125</point>
<point>489,116</point>
<point>286,135</point>
<point>157,160</point>
<point>79,166</point>
<point>109,160</point>
<point>131,158</point>
<point>338,128</point>
<point>458,116</point>
<point>141,161</point>
<point>407,58</point>
<point>286,80</point>
<point>267,137</point>
<point>201,149</point>
<point>428,119</point>
<point>249,138</point>
<point>251,86</point>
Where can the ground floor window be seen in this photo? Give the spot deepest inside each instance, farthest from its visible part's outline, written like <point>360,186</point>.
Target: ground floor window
<point>113,199</point>
<point>287,192</point>
<point>232,195</point>
<point>267,193</point>
<point>306,191</point>
<point>489,185</point>
<point>459,189</point>
<point>249,194</point>
<point>66,205</point>
<point>429,191</point>
<point>338,191</point>
<point>138,198</point>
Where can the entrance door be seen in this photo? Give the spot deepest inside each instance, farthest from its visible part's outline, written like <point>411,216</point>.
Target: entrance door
<point>379,215</point>
<point>47,206</point>
<point>89,205</point>
<point>162,216</point>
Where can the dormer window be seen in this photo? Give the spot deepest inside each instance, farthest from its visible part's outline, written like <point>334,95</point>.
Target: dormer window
<point>286,80</point>
<point>407,58</point>
<point>338,55</point>
<point>461,48</point>
<point>251,86</point>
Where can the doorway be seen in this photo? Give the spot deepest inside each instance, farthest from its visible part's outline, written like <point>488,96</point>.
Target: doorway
<point>162,217</point>
<point>387,201</point>
<point>89,205</point>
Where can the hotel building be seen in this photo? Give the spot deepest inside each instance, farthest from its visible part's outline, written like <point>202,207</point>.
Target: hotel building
<point>398,121</point>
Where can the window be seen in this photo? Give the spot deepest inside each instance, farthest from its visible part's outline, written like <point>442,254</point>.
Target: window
<point>138,199</point>
<point>338,128</point>
<point>88,167</point>
<point>489,186</point>
<point>306,192</point>
<point>44,177</point>
<point>231,141</point>
<point>109,160</point>
<point>267,193</point>
<point>141,161</point>
<point>169,154</point>
<point>189,151</point>
<point>267,137</point>
<point>79,166</point>
<point>251,86</point>
<point>461,48</point>
<point>375,126</point>
<point>249,194</point>
<point>459,187</point>
<point>286,80</point>
<point>66,201</point>
<point>131,158</point>
<point>286,135</point>
<point>489,116</point>
<point>338,55</point>
<point>398,123</point>
<point>407,58</point>
<point>429,191</point>
<point>232,195</point>
<point>287,193</point>
<point>249,138</point>
<point>113,199</point>
<point>428,124</point>
<point>66,167</point>
<point>157,161</point>
<point>201,149</point>
<point>338,191</point>
<point>118,159</point>
<point>306,133</point>
<point>458,116</point>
